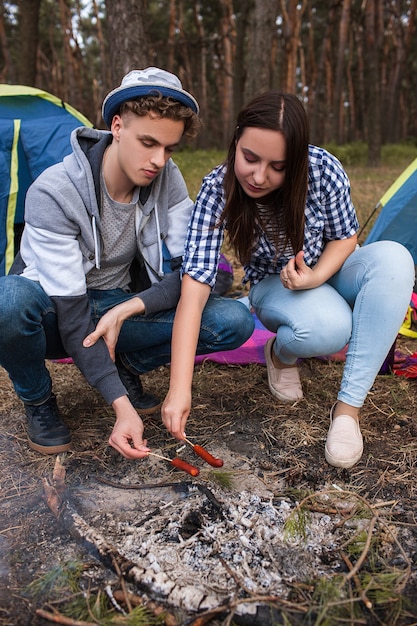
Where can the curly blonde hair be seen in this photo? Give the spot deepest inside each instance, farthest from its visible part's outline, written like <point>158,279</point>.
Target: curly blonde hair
<point>164,107</point>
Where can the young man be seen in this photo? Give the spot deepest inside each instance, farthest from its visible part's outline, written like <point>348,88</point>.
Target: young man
<point>97,277</point>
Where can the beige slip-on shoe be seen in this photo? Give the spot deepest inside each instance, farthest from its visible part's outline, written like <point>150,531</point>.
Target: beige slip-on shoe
<point>283,383</point>
<point>344,445</point>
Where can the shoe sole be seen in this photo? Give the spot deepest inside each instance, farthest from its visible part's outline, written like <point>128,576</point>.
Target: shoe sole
<point>49,449</point>
<point>149,410</point>
<point>337,463</point>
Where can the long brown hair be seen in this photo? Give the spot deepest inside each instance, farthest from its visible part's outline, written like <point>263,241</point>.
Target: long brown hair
<point>281,112</point>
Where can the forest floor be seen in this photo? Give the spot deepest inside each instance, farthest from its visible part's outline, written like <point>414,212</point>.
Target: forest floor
<point>350,535</point>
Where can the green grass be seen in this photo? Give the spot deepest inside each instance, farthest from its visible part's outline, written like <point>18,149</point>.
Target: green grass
<point>195,164</point>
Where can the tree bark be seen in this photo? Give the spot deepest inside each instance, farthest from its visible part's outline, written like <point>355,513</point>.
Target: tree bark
<point>340,92</point>
<point>183,57</point>
<point>320,125</point>
<point>127,36</point>
<point>28,41</point>
<point>4,50</point>
<point>262,34</point>
<point>171,34</point>
<point>228,36</point>
<point>243,17</point>
<point>292,12</point>
<point>373,90</point>
<point>202,86</point>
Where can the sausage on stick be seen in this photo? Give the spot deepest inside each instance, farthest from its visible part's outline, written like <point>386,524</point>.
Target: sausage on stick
<point>205,455</point>
<point>179,464</point>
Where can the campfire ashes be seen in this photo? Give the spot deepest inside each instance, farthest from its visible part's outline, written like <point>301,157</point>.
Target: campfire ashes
<point>196,545</point>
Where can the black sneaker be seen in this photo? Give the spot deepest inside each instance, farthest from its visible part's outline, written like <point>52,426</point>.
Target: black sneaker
<point>145,403</point>
<point>46,432</point>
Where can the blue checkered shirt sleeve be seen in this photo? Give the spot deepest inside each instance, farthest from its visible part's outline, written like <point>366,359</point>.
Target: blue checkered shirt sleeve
<point>205,236</point>
<point>329,212</point>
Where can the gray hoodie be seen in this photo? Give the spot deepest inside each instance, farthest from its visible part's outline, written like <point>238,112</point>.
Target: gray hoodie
<point>61,243</point>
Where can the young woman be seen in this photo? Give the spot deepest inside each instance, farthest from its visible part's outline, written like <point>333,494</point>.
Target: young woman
<point>287,208</point>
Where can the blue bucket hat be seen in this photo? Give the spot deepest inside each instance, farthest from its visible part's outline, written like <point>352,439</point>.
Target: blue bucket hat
<point>149,81</point>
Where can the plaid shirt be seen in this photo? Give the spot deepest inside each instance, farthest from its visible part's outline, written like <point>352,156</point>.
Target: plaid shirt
<point>329,215</point>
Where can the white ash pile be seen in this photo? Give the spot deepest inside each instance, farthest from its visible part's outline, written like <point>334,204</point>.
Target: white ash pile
<point>197,546</point>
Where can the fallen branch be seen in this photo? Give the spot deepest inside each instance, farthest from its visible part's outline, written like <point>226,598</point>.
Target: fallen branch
<point>58,618</point>
<point>365,550</point>
<point>203,618</point>
<point>135,600</point>
<point>357,582</point>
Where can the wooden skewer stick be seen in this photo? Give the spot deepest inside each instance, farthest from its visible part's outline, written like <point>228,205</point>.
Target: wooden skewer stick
<point>188,441</point>
<point>159,456</point>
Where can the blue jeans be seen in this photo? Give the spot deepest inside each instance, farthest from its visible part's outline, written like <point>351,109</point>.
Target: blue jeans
<point>29,333</point>
<point>362,305</point>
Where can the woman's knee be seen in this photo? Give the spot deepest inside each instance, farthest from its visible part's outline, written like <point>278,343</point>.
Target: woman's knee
<point>326,331</point>
<point>392,258</point>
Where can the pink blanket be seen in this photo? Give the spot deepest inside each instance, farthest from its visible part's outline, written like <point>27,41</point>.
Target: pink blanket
<point>252,351</point>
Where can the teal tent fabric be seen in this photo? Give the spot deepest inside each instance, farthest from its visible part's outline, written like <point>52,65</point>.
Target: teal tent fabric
<point>35,129</point>
<point>397,219</point>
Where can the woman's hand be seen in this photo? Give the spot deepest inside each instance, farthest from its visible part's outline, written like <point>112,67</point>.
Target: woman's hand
<point>297,275</point>
<point>175,412</point>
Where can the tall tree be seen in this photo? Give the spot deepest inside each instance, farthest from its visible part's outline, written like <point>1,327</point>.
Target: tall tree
<point>340,95</point>
<point>127,37</point>
<point>321,91</point>
<point>28,41</point>
<point>201,60</point>
<point>260,65</point>
<point>401,24</point>
<point>292,13</point>
<point>102,83</point>
<point>243,13</point>
<point>228,36</point>
<point>373,34</point>
<point>4,50</point>
<point>172,28</point>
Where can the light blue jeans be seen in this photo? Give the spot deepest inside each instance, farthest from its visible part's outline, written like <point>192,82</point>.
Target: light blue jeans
<point>29,333</point>
<point>362,305</point>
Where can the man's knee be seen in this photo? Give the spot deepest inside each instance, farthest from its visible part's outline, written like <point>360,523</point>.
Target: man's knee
<point>13,293</point>
<point>228,322</point>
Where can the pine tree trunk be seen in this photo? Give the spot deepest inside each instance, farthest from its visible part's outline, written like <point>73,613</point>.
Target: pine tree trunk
<point>28,41</point>
<point>126,21</point>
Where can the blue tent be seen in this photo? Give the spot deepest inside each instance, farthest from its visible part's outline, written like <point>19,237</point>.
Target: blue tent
<point>35,129</point>
<point>397,220</point>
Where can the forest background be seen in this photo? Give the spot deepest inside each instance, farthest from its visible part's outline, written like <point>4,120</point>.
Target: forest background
<point>353,63</point>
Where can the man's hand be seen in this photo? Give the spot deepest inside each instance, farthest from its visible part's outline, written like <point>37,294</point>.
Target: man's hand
<point>110,324</point>
<point>127,434</point>
<point>175,412</point>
